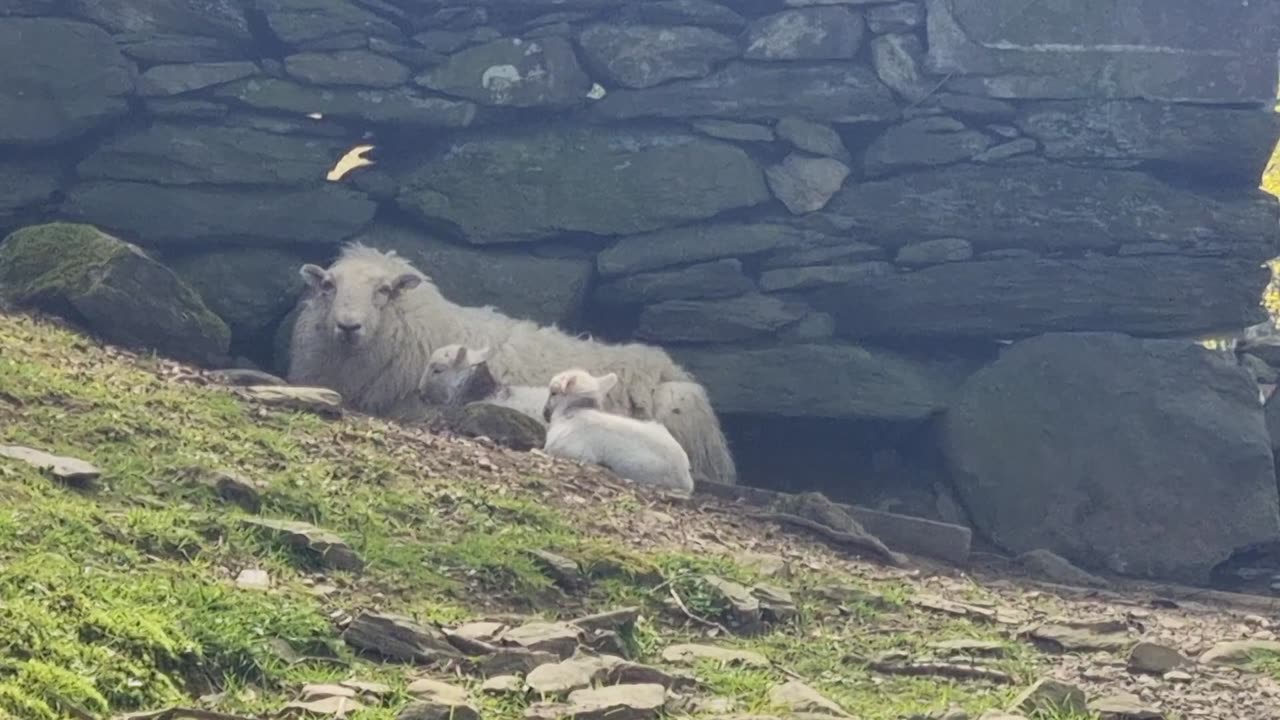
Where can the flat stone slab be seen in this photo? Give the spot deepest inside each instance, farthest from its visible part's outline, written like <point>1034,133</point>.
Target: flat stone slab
<point>320,401</point>
<point>64,469</point>
<point>333,551</point>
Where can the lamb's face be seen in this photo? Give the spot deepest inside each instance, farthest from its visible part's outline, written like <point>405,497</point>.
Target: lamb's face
<point>357,294</point>
<point>576,388</point>
<point>449,373</point>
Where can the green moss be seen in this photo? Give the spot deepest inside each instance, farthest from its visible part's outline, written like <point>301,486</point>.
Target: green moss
<point>53,260</point>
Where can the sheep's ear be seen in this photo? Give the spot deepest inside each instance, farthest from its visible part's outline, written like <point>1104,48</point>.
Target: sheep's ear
<point>312,274</point>
<point>607,382</point>
<point>460,358</point>
<point>406,281</point>
<point>571,383</point>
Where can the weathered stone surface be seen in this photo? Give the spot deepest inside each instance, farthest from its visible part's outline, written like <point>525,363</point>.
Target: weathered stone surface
<point>741,91</point>
<point>1213,143</point>
<point>898,59</point>
<point>347,67</point>
<point>400,106</point>
<point>1081,635</point>
<point>806,184</point>
<point>513,72</point>
<point>691,654</point>
<point>895,18</point>
<point>1124,706</point>
<point>820,33</point>
<point>812,137</point>
<point>60,79</point>
<point>227,486</point>
<point>580,179</point>
<point>816,276</point>
<point>1149,657</point>
<point>800,698</point>
<point>921,143</point>
<point>1022,297</point>
<point>503,425</point>
<point>734,319</point>
<point>558,679</point>
<point>209,18</point>
<point>932,252</point>
<point>68,470</point>
<point>685,12</point>
<point>249,288</point>
<point>1049,695</point>
<point>1055,207</point>
<point>1151,500</point>
<point>118,291</point>
<point>1239,652</point>
<point>557,638</point>
<point>438,701</point>
<point>617,702</point>
<point>317,400</point>
<point>331,550</point>
<point>641,56</point>
<point>184,215</point>
<point>1004,151</point>
<point>163,49</point>
<point>397,638</point>
<point>171,154</point>
<point>857,383</point>
<point>324,24</point>
<point>697,243</point>
<point>1048,565</point>
<point>543,289</point>
<point>736,131</point>
<point>715,279</point>
<point>26,183</point>
<point>1191,52</point>
<point>849,251</point>
<point>166,80</point>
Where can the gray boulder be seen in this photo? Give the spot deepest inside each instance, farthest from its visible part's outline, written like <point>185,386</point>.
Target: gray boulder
<point>806,184</point>
<point>1016,298</point>
<point>921,143</point>
<point>60,79</point>
<point>347,67</point>
<point>856,383</point>
<point>715,279</point>
<point>808,277</point>
<point>325,24</point>
<point>171,154</point>
<point>583,179</point>
<point>543,289</point>
<point>844,92</point>
<point>167,80</point>
<point>1055,207</point>
<point>399,106</point>
<point>542,72</point>
<point>812,137</point>
<point>111,286</point>
<point>745,317</point>
<point>187,215</point>
<point>640,56</point>
<point>165,49</point>
<point>1179,51</point>
<point>697,243</point>
<point>1149,458</point>
<point>899,61</point>
<point>27,183</point>
<point>222,19</point>
<point>1211,143</point>
<point>895,18</point>
<point>250,288</point>
<point>830,32</point>
<point>684,12</point>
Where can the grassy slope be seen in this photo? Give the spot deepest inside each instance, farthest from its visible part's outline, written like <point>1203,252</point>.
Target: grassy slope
<point>123,599</point>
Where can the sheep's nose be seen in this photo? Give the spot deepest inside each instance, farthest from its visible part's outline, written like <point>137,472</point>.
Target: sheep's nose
<point>546,413</point>
<point>348,327</point>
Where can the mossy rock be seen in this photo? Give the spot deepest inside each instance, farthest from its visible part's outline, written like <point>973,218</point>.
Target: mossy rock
<point>506,427</point>
<point>113,288</point>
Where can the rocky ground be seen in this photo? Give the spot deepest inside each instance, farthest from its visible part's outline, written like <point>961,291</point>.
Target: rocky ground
<point>202,551</point>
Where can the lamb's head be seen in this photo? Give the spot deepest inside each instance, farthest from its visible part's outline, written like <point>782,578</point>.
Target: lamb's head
<point>456,375</point>
<point>358,289</point>
<point>576,388</point>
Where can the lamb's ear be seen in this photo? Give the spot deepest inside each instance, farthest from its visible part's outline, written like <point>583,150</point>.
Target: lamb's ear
<point>406,281</point>
<point>312,274</point>
<point>460,358</point>
<point>607,382</point>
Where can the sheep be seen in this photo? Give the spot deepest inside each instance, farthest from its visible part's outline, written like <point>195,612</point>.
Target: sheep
<point>642,451</point>
<point>458,375</point>
<point>367,325</point>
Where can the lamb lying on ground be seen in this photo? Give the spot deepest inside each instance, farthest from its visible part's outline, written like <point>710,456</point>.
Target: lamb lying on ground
<point>457,375</point>
<point>642,451</point>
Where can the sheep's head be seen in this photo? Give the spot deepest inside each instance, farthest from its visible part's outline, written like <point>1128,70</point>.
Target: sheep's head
<point>576,388</point>
<point>357,292</point>
<point>456,375</point>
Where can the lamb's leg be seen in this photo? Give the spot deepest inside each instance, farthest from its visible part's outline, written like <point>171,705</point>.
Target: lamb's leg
<point>685,410</point>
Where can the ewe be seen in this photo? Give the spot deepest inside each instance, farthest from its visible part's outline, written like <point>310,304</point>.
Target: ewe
<point>457,375</point>
<point>639,450</point>
<point>369,324</point>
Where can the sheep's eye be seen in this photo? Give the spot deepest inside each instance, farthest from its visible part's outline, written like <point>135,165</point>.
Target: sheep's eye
<point>384,290</point>
<point>436,370</point>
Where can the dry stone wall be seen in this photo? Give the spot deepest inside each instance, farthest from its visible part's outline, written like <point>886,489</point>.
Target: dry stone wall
<point>818,205</point>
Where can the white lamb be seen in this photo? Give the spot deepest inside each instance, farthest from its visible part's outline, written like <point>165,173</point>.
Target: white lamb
<point>369,323</point>
<point>642,451</point>
<point>457,375</point>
